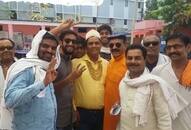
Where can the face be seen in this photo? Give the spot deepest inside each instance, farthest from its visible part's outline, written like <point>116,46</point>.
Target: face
<point>135,61</point>
<point>104,36</point>
<point>93,46</point>
<point>6,50</point>
<point>176,50</point>
<point>47,49</point>
<point>79,51</point>
<point>69,42</point>
<point>152,45</point>
<point>117,47</point>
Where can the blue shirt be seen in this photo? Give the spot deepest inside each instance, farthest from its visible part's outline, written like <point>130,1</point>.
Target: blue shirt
<point>30,111</point>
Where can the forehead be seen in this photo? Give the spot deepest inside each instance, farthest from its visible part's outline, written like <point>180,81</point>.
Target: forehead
<point>70,36</point>
<point>151,38</point>
<point>134,53</point>
<point>174,41</point>
<point>49,42</point>
<point>5,42</point>
<point>93,39</point>
<point>104,31</point>
<point>116,40</point>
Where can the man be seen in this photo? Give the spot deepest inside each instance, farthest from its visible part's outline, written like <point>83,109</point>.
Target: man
<point>7,53</point>
<point>177,74</point>
<point>29,92</point>
<point>89,87</point>
<point>115,72</point>
<point>64,82</point>
<point>143,98</point>
<point>80,48</point>
<point>105,31</point>
<point>154,57</point>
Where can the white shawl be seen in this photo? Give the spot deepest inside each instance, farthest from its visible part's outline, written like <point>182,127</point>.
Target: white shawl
<point>31,60</point>
<point>143,84</point>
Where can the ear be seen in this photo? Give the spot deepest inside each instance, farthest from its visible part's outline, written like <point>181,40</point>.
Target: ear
<point>188,48</point>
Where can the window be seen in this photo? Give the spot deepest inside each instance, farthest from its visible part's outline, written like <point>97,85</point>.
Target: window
<point>125,21</point>
<point>139,4</point>
<point>126,3</point>
<point>13,15</point>
<point>59,16</point>
<point>111,2</point>
<point>111,21</point>
<point>94,19</point>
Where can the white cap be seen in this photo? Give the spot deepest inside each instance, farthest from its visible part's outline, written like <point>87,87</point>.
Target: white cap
<point>92,33</point>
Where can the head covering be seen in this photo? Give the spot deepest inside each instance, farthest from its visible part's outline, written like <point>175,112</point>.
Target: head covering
<point>92,33</point>
<point>31,60</point>
<point>120,36</point>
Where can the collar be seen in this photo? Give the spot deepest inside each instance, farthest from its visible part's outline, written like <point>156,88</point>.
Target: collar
<point>86,57</point>
<point>122,56</point>
<point>105,50</point>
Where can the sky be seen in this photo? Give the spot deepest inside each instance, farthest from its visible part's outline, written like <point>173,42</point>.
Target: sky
<point>64,2</point>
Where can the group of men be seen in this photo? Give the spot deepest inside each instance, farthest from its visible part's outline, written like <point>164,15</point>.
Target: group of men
<point>67,82</point>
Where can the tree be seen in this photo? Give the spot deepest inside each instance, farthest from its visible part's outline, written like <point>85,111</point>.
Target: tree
<point>176,13</point>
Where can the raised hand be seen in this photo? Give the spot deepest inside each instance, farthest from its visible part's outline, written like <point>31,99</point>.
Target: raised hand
<point>67,24</point>
<point>51,72</point>
<point>77,72</point>
<point>64,25</point>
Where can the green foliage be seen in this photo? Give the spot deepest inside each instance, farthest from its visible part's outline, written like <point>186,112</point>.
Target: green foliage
<point>176,13</point>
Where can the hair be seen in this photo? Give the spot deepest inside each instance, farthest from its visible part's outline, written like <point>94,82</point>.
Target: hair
<point>81,41</point>
<point>12,42</point>
<point>50,36</point>
<point>139,47</point>
<point>64,33</point>
<point>104,27</point>
<point>122,37</point>
<point>183,37</point>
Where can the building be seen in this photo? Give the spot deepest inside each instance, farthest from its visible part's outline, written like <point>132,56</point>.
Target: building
<point>118,13</point>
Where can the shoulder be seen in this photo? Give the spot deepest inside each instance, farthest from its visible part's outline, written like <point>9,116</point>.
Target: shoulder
<point>103,60</point>
<point>77,60</point>
<point>165,57</point>
<point>160,68</point>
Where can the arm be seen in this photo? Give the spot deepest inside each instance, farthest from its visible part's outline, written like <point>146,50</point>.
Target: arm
<point>22,89</point>
<point>63,26</point>
<point>161,109</point>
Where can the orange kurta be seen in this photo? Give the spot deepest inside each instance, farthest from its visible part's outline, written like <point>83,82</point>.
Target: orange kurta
<point>186,75</point>
<point>115,72</point>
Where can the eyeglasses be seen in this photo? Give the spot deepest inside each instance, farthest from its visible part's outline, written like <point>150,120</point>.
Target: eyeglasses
<point>3,48</point>
<point>67,41</point>
<point>153,43</point>
<point>118,45</point>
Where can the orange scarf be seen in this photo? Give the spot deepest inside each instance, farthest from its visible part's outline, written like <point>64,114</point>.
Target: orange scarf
<point>186,76</point>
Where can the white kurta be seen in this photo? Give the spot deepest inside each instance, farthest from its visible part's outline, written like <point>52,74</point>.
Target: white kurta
<point>2,80</point>
<point>183,122</point>
<point>158,114</point>
<point>163,59</point>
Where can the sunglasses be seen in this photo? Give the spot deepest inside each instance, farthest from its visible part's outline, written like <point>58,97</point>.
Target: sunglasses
<point>118,45</point>
<point>147,44</point>
<point>3,48</point>
<point>67,41</point>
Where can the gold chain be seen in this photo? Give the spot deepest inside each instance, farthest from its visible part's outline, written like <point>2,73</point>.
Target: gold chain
<point>96,74</point>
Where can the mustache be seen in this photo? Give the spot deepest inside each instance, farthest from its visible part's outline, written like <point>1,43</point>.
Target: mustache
<point>115,50</point>
<point>132,64</point>
<point>174,54</point>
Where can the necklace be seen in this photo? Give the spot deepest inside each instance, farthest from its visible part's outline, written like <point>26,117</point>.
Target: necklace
<point>95,73</point>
